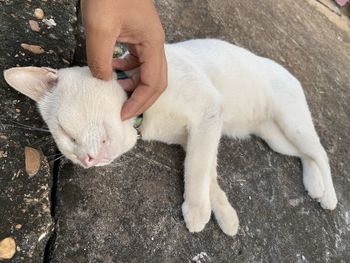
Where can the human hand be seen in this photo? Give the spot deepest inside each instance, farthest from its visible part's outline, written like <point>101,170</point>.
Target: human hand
<point>136,23</point>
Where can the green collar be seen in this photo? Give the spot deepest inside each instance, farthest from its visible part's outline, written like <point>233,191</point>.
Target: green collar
<point>121,74</point>
<point>137,124</point>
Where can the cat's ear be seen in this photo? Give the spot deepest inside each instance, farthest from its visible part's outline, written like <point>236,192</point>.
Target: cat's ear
<point>33,82</point>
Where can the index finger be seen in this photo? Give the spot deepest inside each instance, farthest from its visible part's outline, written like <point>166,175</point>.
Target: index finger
<point>99,55</point>
<point>100,37</point>
<point>152,84</point>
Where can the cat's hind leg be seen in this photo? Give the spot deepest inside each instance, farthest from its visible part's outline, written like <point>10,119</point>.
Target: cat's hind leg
<point>278,141</point>
<point>295,123</point>
<point>225,214</point>
<point>312,178</point>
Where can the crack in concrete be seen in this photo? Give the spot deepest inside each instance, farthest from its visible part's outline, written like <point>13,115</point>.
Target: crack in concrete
<point>53,199</point>
<point>50,245</point>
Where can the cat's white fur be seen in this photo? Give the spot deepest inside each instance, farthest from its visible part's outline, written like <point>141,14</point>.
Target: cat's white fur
<point>214,89</point>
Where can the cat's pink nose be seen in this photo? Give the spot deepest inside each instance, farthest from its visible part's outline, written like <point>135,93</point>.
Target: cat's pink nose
<point>88,160</point>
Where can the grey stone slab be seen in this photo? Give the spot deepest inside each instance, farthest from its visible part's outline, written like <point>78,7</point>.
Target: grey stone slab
<point>25,200</point>
<point>130,211</point>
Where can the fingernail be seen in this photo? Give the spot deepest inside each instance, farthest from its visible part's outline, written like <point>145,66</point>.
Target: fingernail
<point>125,116</point>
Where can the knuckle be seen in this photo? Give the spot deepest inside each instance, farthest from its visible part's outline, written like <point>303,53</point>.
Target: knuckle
<point>163,85</point>
<point>160,89</point>
<point>159,39</point>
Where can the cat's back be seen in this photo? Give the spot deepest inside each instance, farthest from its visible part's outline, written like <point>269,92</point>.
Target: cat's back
<point>212,56</point>
<point>206,49</point>
<point>248,84</point>
<point>223,63</point>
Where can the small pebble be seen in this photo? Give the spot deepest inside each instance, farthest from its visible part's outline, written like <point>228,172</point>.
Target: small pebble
<point>45,207</point>
<point>53,36</point>
<point>3,154</point>
<point>33,48</point>
<point>39,13</point>
<point>117,51</point>
<point>294,202</point>
<point>7,248</point>
<point>18,110</point>
<point>18,226</point>
<point>32,161</point>
<point>34,26</point>
<point>49,22</point>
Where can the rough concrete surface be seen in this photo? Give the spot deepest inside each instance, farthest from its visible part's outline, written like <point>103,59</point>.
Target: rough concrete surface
<point>130,211</point>
<point>25,200</point>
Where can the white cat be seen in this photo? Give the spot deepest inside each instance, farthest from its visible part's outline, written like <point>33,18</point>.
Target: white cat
<point>214,89</point>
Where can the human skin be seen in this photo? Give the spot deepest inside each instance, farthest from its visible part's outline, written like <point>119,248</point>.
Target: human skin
<point>137,24</point>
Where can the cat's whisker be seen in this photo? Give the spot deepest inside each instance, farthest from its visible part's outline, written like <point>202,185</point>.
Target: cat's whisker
<point>18,125</point>
<point>24,128</point>
<point>22,124</point>
<point>56,159</point>
<point>54,155</point>
<point>42,141</point>
<point>28,126</point>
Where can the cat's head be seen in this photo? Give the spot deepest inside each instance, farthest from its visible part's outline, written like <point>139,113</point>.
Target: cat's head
<point>82,112</point>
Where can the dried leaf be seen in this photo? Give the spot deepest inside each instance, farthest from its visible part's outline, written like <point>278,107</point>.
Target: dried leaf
<point>34,25</point>
<point>32,161</point>
<point>33,48</point>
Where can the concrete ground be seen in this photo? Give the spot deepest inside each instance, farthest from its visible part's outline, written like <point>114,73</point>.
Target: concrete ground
<point>130,211</point>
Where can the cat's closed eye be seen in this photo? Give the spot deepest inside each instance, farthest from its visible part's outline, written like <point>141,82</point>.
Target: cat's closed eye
<point>71,138</point>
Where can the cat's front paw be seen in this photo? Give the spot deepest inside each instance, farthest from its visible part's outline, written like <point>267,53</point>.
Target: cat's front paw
<point>196,216</point>
<point>329,199</point>
<point>227,219</point>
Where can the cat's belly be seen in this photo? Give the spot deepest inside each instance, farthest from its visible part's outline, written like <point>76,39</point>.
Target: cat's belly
<point>236,130</point>
<point>245,108</point>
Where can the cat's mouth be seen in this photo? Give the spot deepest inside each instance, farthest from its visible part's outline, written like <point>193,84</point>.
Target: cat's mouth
<point>91,163</point>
